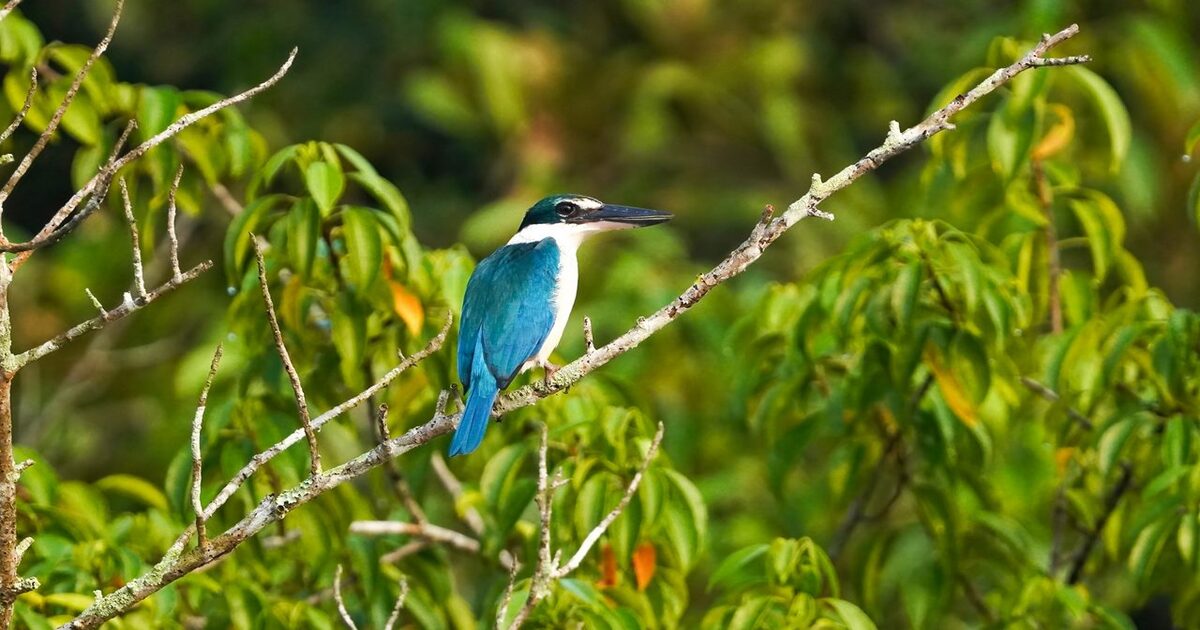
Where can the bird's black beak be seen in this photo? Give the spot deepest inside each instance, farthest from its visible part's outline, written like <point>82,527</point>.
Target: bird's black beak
<point>625,215</point>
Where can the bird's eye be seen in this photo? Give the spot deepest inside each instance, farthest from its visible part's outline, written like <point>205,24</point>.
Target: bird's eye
<point>566,208</point>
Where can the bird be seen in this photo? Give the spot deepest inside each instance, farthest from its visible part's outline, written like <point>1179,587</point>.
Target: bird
<point>519,298</point>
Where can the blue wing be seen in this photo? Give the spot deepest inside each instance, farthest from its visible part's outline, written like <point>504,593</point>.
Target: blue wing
<point>508,310</point>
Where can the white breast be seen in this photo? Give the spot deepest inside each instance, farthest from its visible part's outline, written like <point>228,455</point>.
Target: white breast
<point>568,239</point>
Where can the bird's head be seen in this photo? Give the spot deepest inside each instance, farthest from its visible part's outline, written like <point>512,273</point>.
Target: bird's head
<point>578,215</point>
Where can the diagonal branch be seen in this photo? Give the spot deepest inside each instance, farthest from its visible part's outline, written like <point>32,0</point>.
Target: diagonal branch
<point>139,276</point>
<point>177,563</point>
<point>197,461</point>
<point>12,4</point>
<point>547,571</point>
<point>171,131</point>
<point>57,117</point>
<point>20,117</point>
<point>128,306</point>
<point>314,451</point>
<point>97,198</point>
<point>766,233</point>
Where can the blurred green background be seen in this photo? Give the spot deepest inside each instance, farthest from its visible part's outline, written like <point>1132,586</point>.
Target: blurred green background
<point>709,109</point>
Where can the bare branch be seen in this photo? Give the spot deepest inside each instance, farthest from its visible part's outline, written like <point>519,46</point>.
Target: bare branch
<point>506,601</point>
<point>177,563</point>
<point>127,306</point>
<point>403,551</point>
<point>1052,396</point>
<point>49,238</point>
<point>57,117</point>
<point>139,275</point>
<point>427,531</point>
<point>12,4</point>
<point>594,536</point>
<point>341,604</point>
<point>172,239</point>
<point>763,235</point>
<point>197,462</point>
<point>399,605</point>
<point>184,122</point>
<point>314,451</point>
<point>589,341</point>
<point>399,483</point>
<point>258,460</point>
<point>33,85</point>
<point>548,569</point>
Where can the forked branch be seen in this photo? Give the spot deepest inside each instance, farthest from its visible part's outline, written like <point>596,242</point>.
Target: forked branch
<point>176,563</point>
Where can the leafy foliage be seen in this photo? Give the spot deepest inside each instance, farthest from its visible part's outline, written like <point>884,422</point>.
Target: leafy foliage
<point>900,434</point>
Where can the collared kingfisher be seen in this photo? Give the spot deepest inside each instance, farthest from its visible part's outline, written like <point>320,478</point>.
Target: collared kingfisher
<point>518,300</point>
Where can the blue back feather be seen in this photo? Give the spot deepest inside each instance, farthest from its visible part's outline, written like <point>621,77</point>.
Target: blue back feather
<point>507,314</point>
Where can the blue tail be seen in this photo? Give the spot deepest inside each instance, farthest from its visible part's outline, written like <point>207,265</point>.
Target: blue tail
<point>475,417</point>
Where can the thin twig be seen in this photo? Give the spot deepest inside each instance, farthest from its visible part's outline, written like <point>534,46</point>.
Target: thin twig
<point>589,341</point>
<point>177,563</point>
<point>427,531</point>
<point>139,277</point>
<point>12,4</point>
<point>399,605</point>
<point>265,456</point>
<point>594,536</point>
<point>395,475</point>
<point>197,461</point>
<point>33,85</point>
<point>341,604</point>
<point>1054,397</point>
<point>293,377</point>
<point>506,601</point>
<point>126,307</point>
<point>172,130</point>
<point>57,117</point>
<point>548,570</point>
<point>172,239</point>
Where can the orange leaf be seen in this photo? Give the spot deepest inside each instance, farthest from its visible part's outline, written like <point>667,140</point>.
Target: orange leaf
<point>1062,457</point>
<point>1059,135</point>
<point>407,306</point>
<point>608,568</point>
<point>644,558</point>
<point>952,390</point>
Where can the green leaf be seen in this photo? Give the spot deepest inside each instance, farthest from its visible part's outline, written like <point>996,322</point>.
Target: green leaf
<point>134,488</point>
<point>1010,136</point>
<point>304,231</point>
<point>743,566</point>
<point>500,472</point>
<point>360,163</point>
<point>760,612</point>
<point>1148,547</point>
<point>1193,136</point>
<point>325,183</point>
<point>1113,441</point>
<point>237,236</point>
<point>1112,110</point>
<point>905,292</point>
<point>851,615</point>
<point>592,503</point>
<point>364,246</point>
<point>387,194</point>
<point>1105,229</point>
<point>156,110</point>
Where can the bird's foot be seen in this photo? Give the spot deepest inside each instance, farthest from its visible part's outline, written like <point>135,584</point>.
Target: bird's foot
<point>549,370</point>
